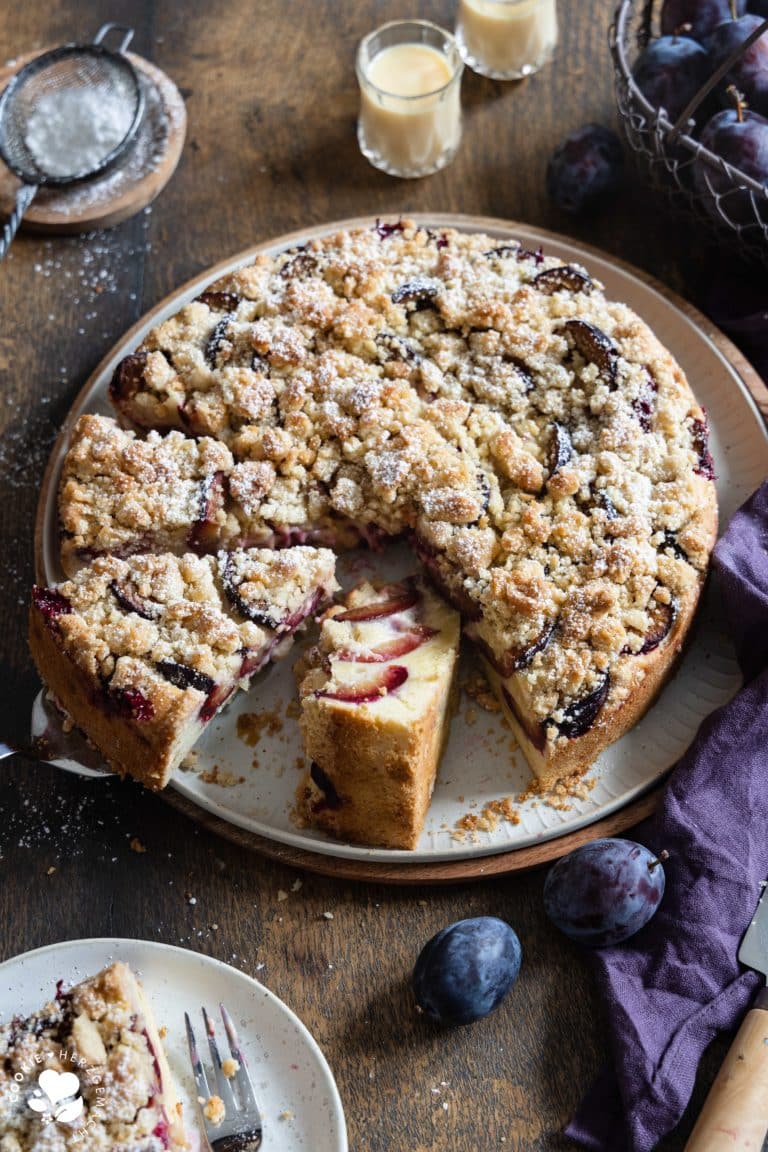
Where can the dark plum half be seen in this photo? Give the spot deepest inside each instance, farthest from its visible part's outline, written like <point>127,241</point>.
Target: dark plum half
<point>560,448</point>
<point>593,344</point>
<point>128,377</point>
<point>564,278</point>
<point>202,536</point>
<point>516,659</point>
<point>220,301</point>
<point>185,677</point>
<point>581,714</point>
<point>420,292</point>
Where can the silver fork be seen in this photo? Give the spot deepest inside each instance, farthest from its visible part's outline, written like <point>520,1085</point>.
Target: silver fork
<point>241,1128</point>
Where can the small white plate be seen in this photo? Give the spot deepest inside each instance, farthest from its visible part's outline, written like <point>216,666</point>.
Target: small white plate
<point>294,1086</point>
<point>481,763</point>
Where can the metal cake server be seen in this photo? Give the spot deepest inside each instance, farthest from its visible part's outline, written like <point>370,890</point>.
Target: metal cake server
<point>50,744</point>
<point>735,1115</point>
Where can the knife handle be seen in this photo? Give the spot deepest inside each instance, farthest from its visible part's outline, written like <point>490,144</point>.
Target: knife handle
<point>735,1113</point>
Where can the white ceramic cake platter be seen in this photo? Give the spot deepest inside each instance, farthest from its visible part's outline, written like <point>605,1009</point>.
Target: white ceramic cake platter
<point>294,1086</point>
<point>251,790</point>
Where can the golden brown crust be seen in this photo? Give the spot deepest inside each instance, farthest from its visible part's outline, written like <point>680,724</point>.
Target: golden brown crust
<point>141,653</point>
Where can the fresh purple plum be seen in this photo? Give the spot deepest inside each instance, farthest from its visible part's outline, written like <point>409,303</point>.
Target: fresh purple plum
<point>696,17</point>
<point>739,137</point>
<point>604,892</point>
<point>585,169</point>
<point>466,970</point>
<point>750,72</point>
<point>670,71</point>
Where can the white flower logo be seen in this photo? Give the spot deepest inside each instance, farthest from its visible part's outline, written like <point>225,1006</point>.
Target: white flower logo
<point>58,1094</point>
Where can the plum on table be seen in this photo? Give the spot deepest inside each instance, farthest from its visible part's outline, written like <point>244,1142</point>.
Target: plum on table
<point>466,970</point>
<point>585,169</point>
<point>604,892</point>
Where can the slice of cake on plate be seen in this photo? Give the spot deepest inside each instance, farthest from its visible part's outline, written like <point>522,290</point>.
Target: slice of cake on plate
<point>377,694</point>
<point>88,1071</point>
<point>142,653</point>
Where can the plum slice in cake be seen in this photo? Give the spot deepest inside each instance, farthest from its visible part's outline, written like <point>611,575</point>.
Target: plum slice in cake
<point>143,652</point>
<point>102,1033</point>
<point>377,694</point>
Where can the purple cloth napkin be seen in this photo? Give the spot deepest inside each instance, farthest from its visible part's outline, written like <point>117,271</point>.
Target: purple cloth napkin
<point>671,988</point>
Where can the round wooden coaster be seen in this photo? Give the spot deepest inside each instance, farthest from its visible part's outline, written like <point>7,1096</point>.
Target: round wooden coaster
<point>123,190</point>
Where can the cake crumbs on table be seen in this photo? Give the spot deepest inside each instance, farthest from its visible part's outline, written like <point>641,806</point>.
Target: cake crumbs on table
<point>136,845</point>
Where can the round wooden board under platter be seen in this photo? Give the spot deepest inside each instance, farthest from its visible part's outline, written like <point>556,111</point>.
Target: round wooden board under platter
<point>127,187</point>
<point>420,871</point>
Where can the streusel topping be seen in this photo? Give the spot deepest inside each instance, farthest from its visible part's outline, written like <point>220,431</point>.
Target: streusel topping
<point>156,626</point>
<point>542,447</point>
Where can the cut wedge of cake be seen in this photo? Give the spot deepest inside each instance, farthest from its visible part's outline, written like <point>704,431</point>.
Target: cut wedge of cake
<point>377,694</point>
<point>119,1093</point>
<point>143,652</point>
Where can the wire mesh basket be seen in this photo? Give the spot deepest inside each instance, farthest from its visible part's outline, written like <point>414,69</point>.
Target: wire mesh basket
<point>729,203</point>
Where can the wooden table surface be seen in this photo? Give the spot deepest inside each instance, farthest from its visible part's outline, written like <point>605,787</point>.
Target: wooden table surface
<point>271,100</point>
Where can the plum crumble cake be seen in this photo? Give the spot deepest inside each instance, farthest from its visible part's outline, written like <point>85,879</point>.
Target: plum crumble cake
<point>376,695</point>
<point>540,448</point>
<point>102,1034</point>
<point>143,652</point>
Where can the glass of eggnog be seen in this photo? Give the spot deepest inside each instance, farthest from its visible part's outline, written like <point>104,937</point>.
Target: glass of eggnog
<point>409,74</point>
<point>506,39</point>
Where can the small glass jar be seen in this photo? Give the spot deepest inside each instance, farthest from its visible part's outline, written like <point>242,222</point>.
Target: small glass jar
<point>506,39</point>
<point>409,74</point>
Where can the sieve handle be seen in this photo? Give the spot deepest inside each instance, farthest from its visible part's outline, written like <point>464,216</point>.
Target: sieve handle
<point>107,28</point>
<point>24,198</point>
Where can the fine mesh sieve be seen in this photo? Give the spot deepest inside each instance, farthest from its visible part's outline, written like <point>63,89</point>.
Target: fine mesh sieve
<point>72,67</point>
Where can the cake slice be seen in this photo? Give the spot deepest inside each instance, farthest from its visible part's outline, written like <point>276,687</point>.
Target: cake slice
<point>119,1093</point>
<point>120,495</point>
<point>143,652</point>
<point>377,694</point>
